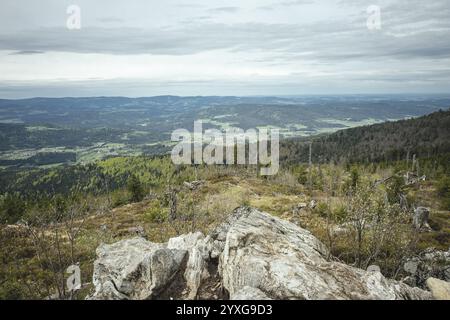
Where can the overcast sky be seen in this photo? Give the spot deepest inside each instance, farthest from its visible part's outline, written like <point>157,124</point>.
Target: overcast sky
<point>234,47</point>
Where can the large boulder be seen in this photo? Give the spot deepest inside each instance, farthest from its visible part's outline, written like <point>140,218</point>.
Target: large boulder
<point>139,269</point>
<point>287,262</point>
<point>252,255</point>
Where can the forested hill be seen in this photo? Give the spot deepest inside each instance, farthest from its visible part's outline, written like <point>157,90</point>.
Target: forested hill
<point>427,136</point>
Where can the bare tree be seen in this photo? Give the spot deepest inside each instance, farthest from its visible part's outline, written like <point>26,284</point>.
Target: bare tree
<point>54,237</point>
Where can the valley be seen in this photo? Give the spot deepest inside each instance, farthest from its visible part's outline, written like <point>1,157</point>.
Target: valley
<point>45,131</point>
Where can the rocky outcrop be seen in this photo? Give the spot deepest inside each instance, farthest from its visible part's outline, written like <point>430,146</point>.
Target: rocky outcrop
<point>439,288</point>
<point>134,269</point>
<point>197,249</point>
<point>250,293</point>
<point>287,262</point>
<point>252,255</point>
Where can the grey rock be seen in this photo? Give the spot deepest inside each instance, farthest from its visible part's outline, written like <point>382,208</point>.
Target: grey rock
<point>299,207</point>
<point>134,269</point>
<point>410,281</point>
<point>411,266</point>
<point>420,218</point>
<point>198,249</point>
<point>439,288</point>
<point>373,268</point>
<point>429,263</point>
<point>138,231</point>
<point>193,185</point>
<point>287,262</point>
<point>249,293</point>
<point>252,255</point>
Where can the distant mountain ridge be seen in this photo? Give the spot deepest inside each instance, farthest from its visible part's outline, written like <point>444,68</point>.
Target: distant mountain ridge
<point>305,114</point>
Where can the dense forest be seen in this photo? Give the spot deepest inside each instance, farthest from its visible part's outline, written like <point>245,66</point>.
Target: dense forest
<point>424,137</point>
<point>20,136</point>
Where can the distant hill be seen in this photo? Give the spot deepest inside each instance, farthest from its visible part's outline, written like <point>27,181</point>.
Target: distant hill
<point>159,116</point>
<point>424,136</point>
<point>99,127</point>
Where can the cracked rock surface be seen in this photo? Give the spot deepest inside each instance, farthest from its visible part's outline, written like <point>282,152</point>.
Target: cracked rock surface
<point>252,255</point>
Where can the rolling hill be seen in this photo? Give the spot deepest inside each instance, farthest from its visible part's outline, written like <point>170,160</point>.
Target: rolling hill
<point>424,136</point>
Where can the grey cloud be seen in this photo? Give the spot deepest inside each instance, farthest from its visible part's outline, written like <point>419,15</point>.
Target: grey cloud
<point>193,38</point>
<point>27,52</point>
<point>225,10</point>
<point>288,3</point>
<point>407,13</point>
<point>408,32</point>
<point>266,8</point>
<point>327,41</point>
<point>190,5</point>
<point>415,34</point>
<point>424,76</point>
<point>296,2</point>
<point>290,85</point>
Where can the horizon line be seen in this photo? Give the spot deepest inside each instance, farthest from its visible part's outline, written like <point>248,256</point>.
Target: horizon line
<point>234,96</point>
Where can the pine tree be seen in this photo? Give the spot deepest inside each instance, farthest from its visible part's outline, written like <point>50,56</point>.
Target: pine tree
<point>136,189</point>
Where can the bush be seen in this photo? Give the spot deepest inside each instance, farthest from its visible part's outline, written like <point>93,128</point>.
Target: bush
<point>340,213</point>
<point>156,214</point>
<point>352,182</point>
<point>301,173</point>
<point>354,177</point>
<point>120,198</point>
<point>11,291</point>
<point>136,189</point>
<point>12,208</point>
<point>394,189</point>
<point>322,209</point>
<point>381,233</point>
<point>443,191</point>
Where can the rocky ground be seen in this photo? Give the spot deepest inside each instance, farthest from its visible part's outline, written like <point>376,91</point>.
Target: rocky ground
<point>252,255</point>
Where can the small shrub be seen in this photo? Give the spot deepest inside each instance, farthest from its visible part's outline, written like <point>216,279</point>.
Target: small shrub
<point>443,191</point>
<point>322,209</point>
<point>354,177</point>
<point>340,213</point>
<point>120,198</point>
<point>11,291</point>
<point>394,188</point>
<point>136,189</point>
<point>12,208</point>
<point>156,214</point>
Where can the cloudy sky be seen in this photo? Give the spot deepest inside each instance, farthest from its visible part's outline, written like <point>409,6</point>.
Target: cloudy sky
<point>212,47</point>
